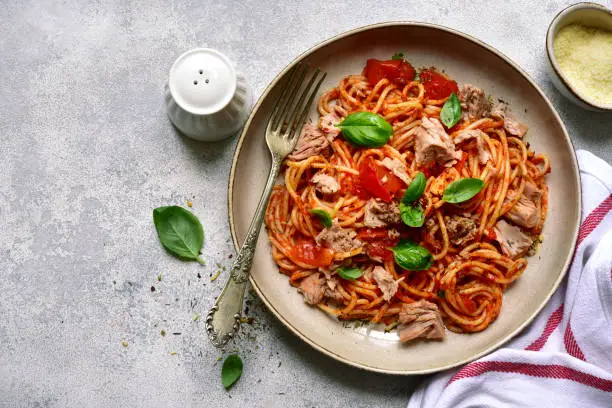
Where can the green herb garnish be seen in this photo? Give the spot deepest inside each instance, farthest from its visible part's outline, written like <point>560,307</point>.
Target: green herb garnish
<point>349,273</point>
<point>398,56</point>
<point>366,129</point>
<point>231,370</point>
<point>412,256</point>
<point>462,190</point>
<point>322,216</point>
<point>179,231</point>
<point>412,215</point>
<point>451,111</point>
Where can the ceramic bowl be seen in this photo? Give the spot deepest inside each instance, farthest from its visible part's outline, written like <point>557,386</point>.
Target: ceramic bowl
<point>467,60</point>
<point>589,15</point>
<point>206,99</point>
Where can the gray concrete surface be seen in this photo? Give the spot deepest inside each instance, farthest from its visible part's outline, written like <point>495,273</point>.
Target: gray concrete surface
<point>86,153</point>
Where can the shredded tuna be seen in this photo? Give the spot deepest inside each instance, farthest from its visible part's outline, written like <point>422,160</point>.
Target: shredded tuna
<point>312,141</point>
<point>474,102</point>
<point>398,168</point>
<point>433,144</point>
<point>460,229</point>
<point>511,124</point>
<point>313,288</point>
<point>420,319</point>
<point>393,233</point>
<point>325,184</point>
<point>339,239</point>
<point>331,289</point>
<point>526,212</point>
<point>380,214</point>
<point>385,282</point>
<point>328,122</point>
<point>514,242</point>
<point>478,136</point>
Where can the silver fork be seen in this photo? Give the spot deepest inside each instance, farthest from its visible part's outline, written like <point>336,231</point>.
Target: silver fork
<point>282,131</point>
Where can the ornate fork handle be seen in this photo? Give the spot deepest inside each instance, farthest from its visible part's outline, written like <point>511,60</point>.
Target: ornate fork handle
<point>223,319</point>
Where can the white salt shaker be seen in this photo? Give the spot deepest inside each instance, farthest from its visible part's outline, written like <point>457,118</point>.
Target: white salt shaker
<point>206,99</point>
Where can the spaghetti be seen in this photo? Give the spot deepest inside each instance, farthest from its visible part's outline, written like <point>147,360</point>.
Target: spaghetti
<point>469,273</point>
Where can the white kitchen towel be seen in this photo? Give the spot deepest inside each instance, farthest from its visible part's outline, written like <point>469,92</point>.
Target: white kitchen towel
<point>564,358</point>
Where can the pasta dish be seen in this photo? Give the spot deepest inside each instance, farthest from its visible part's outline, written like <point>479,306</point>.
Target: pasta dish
<point>413,202</point>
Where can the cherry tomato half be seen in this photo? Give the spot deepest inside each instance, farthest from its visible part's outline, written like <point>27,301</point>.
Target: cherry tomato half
<point>310,253</point>
<point>371,178</point>
<point>437,86</point>
<point>398,71</point>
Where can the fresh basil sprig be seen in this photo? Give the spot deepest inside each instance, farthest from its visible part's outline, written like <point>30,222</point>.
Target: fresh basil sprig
<point>179,231</point>
<point>231,370</point>
<point>349,273</point>
<point>462,190</point>
<point>322,216</point>
<point>413,215</point>
<point>411,256</point>
<point>451,111</point>
<point>366,129</point>
<point>415,189</point>
<point>398,56</point>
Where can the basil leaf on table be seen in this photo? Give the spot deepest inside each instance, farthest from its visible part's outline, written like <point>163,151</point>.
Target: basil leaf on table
<point>451,111</point>
<point>366,129</point>
<point>413,216</point>
<point>179,231</point>
<point>398,56</point>
<point>349,273</point>
<point>231,370</point>
<point>415,189</point>
<point>462,190</point>
<point>322,216</point>
<point>411,256</point>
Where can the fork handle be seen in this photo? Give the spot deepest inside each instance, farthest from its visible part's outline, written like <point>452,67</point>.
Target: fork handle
<point>223,319</point>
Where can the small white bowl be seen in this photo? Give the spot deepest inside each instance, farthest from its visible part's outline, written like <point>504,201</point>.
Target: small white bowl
<point>206,99</point>
<point>589,15</point>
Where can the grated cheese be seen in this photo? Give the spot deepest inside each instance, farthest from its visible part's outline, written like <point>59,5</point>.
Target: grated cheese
<point>584,54</point>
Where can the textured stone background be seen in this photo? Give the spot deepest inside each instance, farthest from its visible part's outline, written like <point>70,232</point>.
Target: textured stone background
<point>86,153</point>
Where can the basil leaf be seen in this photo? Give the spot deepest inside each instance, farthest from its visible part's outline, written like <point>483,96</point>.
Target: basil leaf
<point>411,256</point>
<point>349,273</point>
<point>179,231</point>
<point>411,215</point>
<point>366,129</point>
<point>415,189</point>
<point>451,111</point>
<point>462,190</point>
<point>398,56</point>
<point>231,370</point>
<point>417,76</point>
<point>322,216</point>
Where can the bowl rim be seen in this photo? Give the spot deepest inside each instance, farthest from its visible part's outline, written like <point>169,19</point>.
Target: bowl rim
<point>551,55</point>
<point>513,65</point>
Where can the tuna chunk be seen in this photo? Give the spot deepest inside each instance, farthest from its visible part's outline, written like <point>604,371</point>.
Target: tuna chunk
<point>313,288</point>
<point>474,102</point>
<point>420,319</point>
<point>478,136</point>
<point>331,289</point>
<point>460,229</point>
<point>385,282</point>
<point>514,242</point>
<point>380,214</point>
<point>397,168</point>
<point>339,239</point>
<point>328,122</point>
<point>511,124</point>
<point>325,184</point>
<point>312,141</point>
<point>433,144</point>
<point>526,212</point>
